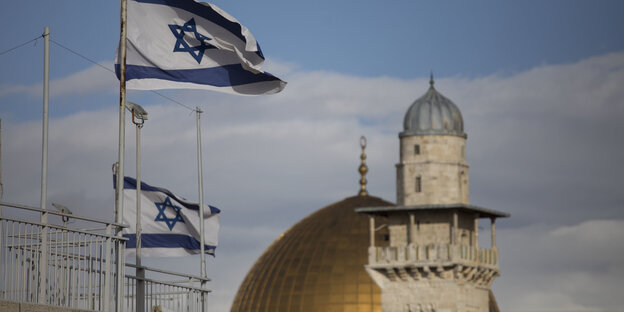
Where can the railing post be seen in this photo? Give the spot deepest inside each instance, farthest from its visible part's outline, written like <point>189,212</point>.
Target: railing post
<point>43,260</point>
<point>203,296</point>
<point>454,235</point>
<point>410,230</point>
<point>120,271</point>
<point>107,269</point>
<point>493,231</point>
<point>455,230</point>
<point>476,232</point>
<point>90,272</point>
<point>140,289</point>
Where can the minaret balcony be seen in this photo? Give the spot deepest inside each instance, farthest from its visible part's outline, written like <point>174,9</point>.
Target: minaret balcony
<point>432,255</point>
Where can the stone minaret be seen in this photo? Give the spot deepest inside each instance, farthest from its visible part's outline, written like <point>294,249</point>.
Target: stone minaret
<point>433,168</point>
<point>433,261</point>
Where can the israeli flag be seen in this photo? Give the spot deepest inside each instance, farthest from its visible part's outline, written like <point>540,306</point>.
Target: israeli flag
<point>170,224</point>
<point>184,44</point>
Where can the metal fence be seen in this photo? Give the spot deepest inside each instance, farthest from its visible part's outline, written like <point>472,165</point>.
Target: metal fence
<point>167,290</point>
<point>52,264</point>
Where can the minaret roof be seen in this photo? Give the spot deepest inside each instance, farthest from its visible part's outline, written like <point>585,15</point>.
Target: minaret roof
<point>483,212</point>
<point>433,113</point>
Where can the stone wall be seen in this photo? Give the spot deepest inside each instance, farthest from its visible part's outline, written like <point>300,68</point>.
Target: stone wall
<point>440,163</point>
<point>435,295</point>
<point>431,228</point>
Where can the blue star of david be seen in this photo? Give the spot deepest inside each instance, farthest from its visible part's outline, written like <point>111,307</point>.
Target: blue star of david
<point>161,217</point>
<point>197,52</point>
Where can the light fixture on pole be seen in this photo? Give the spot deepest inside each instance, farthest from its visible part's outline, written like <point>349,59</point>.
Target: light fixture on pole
<point>139,116</point>
<point>65,219</point>
<point>137,112</point>
<point>64,210</point>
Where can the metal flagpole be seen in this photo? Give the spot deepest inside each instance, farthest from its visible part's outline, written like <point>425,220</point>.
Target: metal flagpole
<point>200,178</point>
<point>43,265</point>
<point>120,157</point>
<point>139,113</point>
<point>1,186</point>
<point>140,303</point>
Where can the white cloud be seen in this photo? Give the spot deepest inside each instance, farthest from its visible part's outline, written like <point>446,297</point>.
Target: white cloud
<point>568,268</point>
<point>543,145</point>
<point>90,80</point>
<point>593,232</point>
<point>15,89</point>
<point>279,68</point>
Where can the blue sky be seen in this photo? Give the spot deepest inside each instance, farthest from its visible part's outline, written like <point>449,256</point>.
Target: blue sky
<point>539,84</point>
<point>403,39</point>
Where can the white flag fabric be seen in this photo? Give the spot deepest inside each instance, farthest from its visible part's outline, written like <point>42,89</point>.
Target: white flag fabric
<point>184,44</point>
<point>170,224</point>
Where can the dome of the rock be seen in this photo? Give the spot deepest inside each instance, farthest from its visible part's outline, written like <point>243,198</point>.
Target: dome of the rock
<point>317,265</point>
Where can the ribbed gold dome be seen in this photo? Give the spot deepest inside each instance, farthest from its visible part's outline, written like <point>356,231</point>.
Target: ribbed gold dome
<point>317,265</point>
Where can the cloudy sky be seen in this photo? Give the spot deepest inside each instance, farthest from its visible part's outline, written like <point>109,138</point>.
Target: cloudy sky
<point>539,83</point>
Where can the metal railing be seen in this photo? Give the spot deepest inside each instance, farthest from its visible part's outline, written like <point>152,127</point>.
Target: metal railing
<point>168,290</point>
<point>52,264</point>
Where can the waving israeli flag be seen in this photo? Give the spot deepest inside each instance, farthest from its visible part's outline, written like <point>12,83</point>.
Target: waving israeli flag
<point>184,44</point>
<point>170,224</point>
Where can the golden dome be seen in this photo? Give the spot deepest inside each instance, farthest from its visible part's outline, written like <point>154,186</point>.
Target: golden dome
<point>317,265</point>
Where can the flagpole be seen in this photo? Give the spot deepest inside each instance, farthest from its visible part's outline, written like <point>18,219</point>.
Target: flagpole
<point>1,186</point>
<point>140,272</point>
<point>44,167</point>
<point>200,178</point>
<point>120,156</point>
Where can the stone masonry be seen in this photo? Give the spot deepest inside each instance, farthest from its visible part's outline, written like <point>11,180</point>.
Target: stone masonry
<point>440,162</point>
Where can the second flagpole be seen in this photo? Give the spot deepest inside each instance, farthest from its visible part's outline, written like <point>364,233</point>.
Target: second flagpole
<point>120,156</point>
<point>200,179</point>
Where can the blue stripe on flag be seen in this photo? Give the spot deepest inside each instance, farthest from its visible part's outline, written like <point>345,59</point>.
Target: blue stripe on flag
<point>130,184</point>
<point>205,12</point>
<point>165,241</point>
<point>222,76</point>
